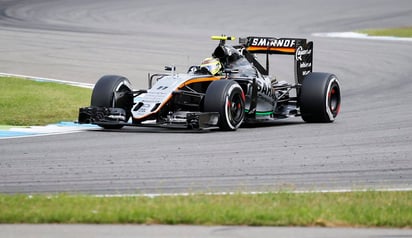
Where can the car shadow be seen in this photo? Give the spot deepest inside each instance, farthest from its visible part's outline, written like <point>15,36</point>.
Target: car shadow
<point>163,130</point>
<point>280,122</point>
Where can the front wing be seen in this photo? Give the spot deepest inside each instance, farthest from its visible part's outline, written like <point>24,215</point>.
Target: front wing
<point>103,116</point>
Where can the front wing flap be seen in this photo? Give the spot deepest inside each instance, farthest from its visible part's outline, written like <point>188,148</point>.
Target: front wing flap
<point>101,115</point>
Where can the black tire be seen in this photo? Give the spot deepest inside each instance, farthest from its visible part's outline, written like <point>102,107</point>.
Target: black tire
<point>227,98</point>
<point>320,98</point>
<point>103,95</point>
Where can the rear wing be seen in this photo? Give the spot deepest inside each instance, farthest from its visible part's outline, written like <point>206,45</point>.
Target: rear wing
<point>300,48</point>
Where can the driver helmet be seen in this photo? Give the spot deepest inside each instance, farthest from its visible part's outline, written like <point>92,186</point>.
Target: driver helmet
<point>212,65</point>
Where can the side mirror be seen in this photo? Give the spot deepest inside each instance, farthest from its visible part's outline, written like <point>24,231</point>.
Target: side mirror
<point>228,72</point>
<point>231,71</point>
<point>170,68</point>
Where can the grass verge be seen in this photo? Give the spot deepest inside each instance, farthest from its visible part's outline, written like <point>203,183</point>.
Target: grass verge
<point>397,32</point>
<point>365,209</point>
<point>26,102</point>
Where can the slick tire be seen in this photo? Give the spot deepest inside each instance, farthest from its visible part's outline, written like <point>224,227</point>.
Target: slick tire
<point>320,98</point>
<point>104,95</point>
<point>227,98</point>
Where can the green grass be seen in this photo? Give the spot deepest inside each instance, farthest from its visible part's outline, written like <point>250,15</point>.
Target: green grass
<point>397,32</point>
<point>364,209</point>
<point>26,102</point>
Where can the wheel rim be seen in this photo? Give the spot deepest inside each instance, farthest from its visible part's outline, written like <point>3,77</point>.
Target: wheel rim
<point>334,99</point>
<point>235,108</point>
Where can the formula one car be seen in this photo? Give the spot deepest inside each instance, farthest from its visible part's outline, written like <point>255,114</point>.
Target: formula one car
<point>239,92</point>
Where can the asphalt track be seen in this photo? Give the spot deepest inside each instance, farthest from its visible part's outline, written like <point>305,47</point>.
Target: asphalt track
<point>368,147</point>
<point>181,231</point>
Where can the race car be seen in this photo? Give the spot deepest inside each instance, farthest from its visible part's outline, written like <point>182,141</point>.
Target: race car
<point>229,90</point>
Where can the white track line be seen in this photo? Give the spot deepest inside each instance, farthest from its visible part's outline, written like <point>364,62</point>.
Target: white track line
<point>153,195</point>
<point>361,36</point>
<point>77,84</point>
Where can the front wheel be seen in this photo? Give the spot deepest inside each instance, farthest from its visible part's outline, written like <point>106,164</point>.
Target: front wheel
<point>113,91</point>
<point>320,97</point>
<point>227,98</point>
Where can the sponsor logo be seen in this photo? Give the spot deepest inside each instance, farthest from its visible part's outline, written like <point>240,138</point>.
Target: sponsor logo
<point>272,42</point>
<point>144,108</point>
<point>304,73</point>
<point>162,87</point>
<point>300,52</point>
<point>264,88</point>
<point>305,65</point>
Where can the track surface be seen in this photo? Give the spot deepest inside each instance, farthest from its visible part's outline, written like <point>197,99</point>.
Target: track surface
<point>133,231</point>
<point>369,146</point>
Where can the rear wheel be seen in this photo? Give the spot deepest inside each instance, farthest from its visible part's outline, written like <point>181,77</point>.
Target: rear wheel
<point>227,98</point>
<point>320,97</point>
<point>113,91</point>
